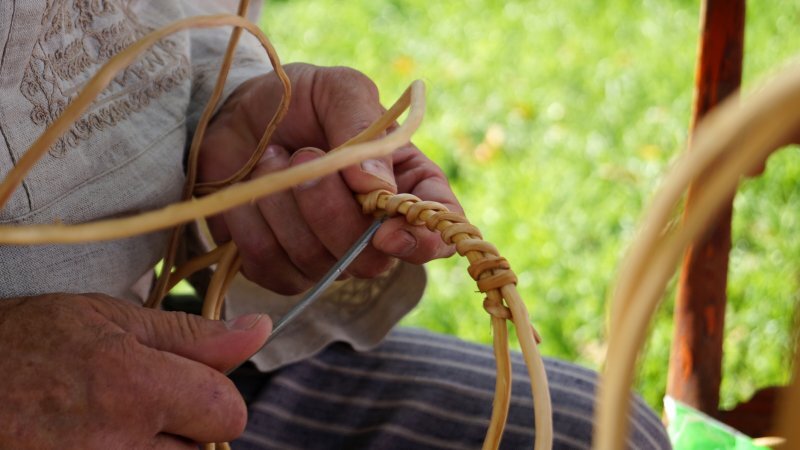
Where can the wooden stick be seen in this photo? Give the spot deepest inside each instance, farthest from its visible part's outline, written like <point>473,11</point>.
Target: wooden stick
<point>695,368</point>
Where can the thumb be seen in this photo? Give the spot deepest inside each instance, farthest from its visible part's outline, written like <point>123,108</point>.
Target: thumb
<point>370,175</point>
<point>221,345</point>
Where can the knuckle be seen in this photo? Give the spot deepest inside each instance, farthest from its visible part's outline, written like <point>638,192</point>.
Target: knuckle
<point>360,124</point>
<point>277,281</point>
<point>259,249</point>
<point>430,247</point>
<point>321,214</point>
<point>445,251</point>
<point>353,79</point>
<point>310,260</point>
<point>344,85</point>
<point>435,247</point>
<point>187,325</point>
<point>371,267</point>
<point>127,343</point>
<point>293,286</point>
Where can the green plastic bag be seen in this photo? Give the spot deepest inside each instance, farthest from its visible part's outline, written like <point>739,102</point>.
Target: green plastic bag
<point>690,429</point>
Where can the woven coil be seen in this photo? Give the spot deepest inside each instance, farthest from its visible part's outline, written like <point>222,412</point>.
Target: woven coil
<point>490,271</point>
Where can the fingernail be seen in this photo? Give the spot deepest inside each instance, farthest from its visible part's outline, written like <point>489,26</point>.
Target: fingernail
<point>271,151</point>
<point>302,156</point>
<point>379,169</point>
<point>243,323</point>
<point>400,243</point>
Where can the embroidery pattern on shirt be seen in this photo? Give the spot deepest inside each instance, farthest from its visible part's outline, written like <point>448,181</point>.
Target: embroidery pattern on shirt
<point>78,37</point>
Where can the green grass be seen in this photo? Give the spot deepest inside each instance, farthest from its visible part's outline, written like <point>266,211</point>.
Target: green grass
<point>555,122</point>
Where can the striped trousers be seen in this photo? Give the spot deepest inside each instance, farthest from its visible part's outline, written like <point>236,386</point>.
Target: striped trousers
<point>417,390</point>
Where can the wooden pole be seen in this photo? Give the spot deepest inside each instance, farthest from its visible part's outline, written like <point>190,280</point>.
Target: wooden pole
<point>696,357</point>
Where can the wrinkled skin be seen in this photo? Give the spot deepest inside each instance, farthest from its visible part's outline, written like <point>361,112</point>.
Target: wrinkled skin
<point>89,371</point>
<point>290,239</point>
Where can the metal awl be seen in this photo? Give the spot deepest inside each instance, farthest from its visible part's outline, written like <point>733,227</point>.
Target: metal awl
<point>313,294</point>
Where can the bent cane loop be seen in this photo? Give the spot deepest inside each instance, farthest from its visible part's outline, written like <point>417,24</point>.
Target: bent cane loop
<point>495,278</point>
<point>190,186</point>
<point>739,138</point>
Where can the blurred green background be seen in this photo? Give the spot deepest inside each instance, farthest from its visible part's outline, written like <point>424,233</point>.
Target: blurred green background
<point>555,122</point>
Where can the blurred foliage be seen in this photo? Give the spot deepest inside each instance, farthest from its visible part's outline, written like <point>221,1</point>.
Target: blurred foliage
<point>555,122</point>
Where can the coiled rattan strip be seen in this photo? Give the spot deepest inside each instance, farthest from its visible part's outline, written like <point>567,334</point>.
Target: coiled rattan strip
<point>494,278</point>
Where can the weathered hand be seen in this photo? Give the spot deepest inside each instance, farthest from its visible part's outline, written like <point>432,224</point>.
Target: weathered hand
<point>93,372</point>
<point>290,239</point>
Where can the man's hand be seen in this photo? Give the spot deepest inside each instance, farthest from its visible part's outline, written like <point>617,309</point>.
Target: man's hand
<point>290,239</point>
<point>90,371</point>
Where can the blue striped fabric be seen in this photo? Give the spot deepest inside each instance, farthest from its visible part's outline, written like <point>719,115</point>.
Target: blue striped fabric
<point>417,390</point>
